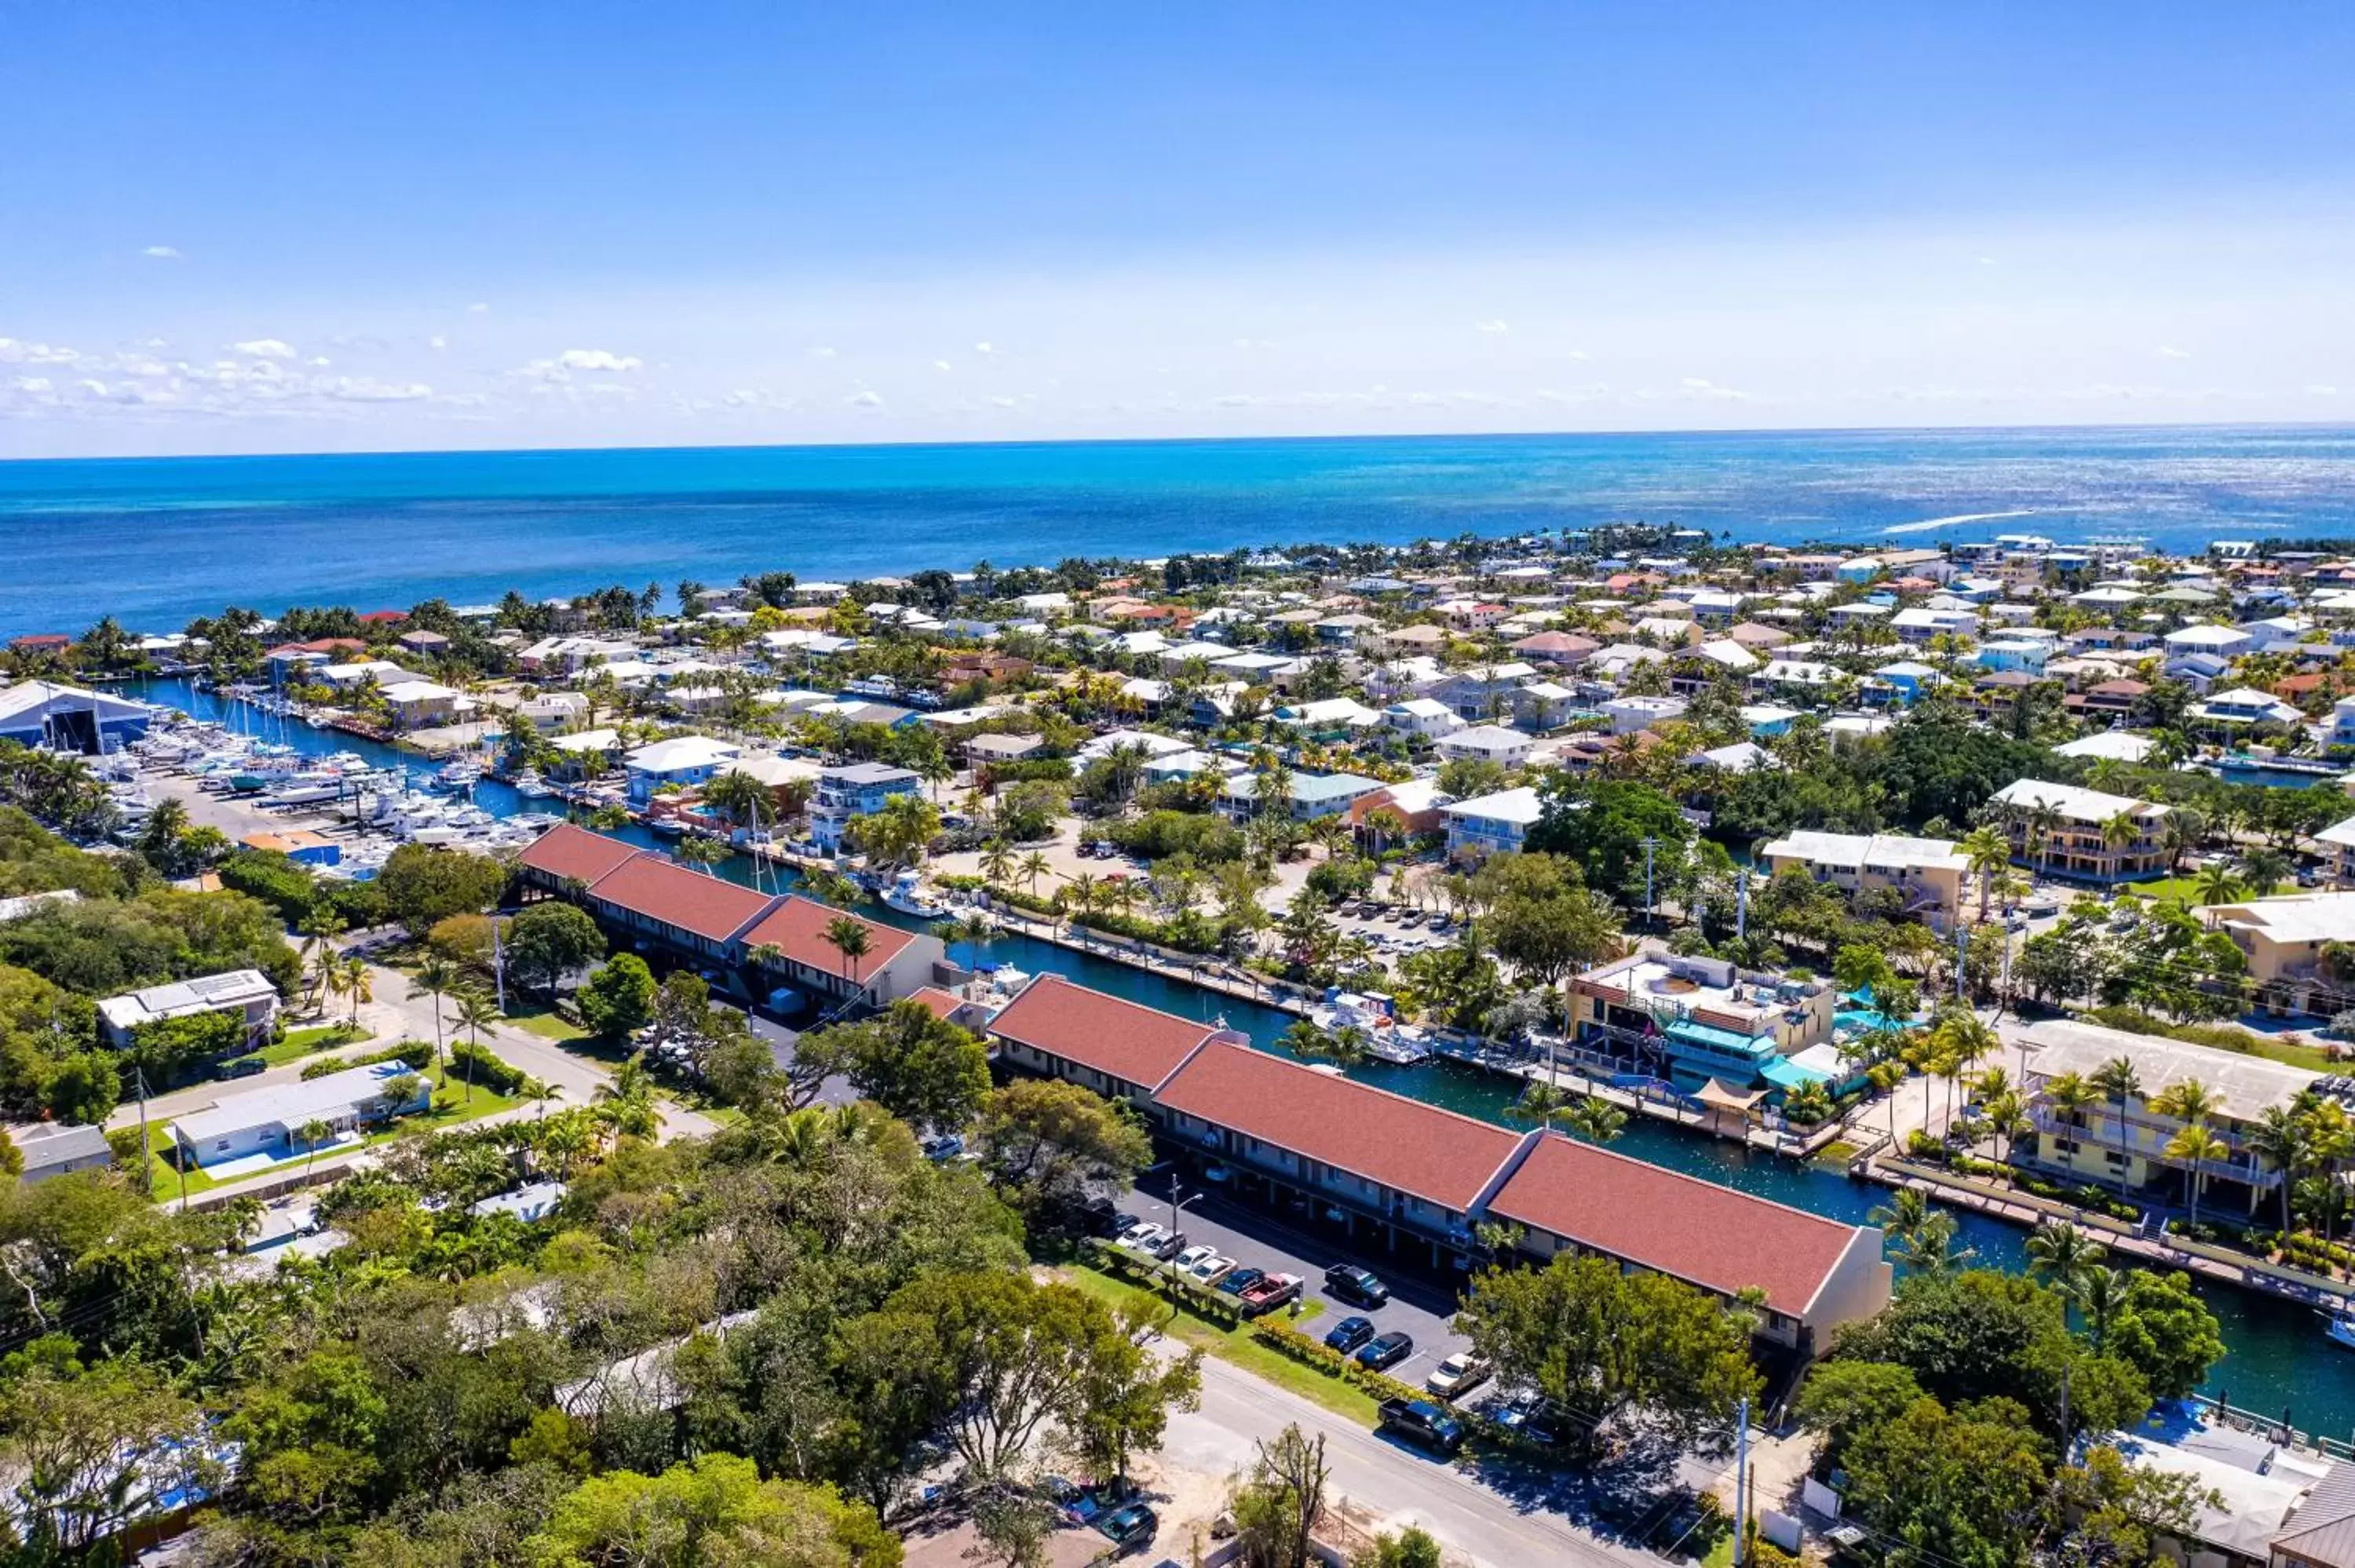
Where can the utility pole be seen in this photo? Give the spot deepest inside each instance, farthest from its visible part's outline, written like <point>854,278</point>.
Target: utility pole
<point>1742,905</point>
<point>1741,1483</point>
<point>1649,845</point>
<point>1962,961</point>
<point>499,964</point>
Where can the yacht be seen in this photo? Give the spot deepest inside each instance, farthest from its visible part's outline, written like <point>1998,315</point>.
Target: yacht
<point>530,785</point>
<point>1387,1040</point>
<point>908,896</point>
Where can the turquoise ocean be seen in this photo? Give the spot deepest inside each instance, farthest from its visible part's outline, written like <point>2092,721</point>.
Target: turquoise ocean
<point>156,541</point>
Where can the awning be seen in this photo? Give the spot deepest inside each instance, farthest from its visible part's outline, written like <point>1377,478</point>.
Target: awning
<point>1720,1096</point>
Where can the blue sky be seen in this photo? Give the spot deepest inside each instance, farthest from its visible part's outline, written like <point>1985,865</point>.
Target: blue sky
<point>296,226</point>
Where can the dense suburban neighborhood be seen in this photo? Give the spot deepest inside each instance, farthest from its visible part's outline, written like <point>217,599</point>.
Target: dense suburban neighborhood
<point>669,1029</point>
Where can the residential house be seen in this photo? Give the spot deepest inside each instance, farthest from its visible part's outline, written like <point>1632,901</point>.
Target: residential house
<point>1488,824</point>
<point>1628,714</point>
<point>51,1149</point>
<point>852,791</point>
<point>1930,876</point>
<point>1486,743</point>
<point>1426,716</point>
<point>268,1123</point>
<point>248,993</point>
<point>2286,939</point>
<point>1695,1020</point>
<point>1314,795</point>
<point>679,763</point>
<point>2084,834</point>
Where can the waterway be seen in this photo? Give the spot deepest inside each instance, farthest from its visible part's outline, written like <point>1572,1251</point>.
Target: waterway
<point>2276,1358</point>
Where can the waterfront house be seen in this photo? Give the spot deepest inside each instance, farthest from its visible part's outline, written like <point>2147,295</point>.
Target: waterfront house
<point>1116,1048</point>
<point>268,1122</point>
<point>298,844</point>
<point>1694,1020</point>
<point>1488,824</point>
<point>2285,940</point>
<point>1426,717</point>
<point>2127,1146</point>
<point>679,763</point>
<point>1928,874</point>
<point>1628,714</point>
<point>1815,1274</point>
<point>248,993</point>
<point>2086,834</point>
<point>789,944</point>
<point>853,790</point>
<point>418,705</point>
<point>2245,705</point>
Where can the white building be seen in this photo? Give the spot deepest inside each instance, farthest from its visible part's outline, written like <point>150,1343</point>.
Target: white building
<point>1421,716</point>
<point>268,1121</point>
<point>244,992</point>
<point>1486,743</point>
<point>1488,824</point>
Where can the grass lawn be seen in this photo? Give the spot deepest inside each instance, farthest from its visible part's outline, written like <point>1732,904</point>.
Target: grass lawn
<point>302,1042</point>
<point>1236,1347</point>
<point>165,1183</point>
<point>2314,1058</point>
<point>545,1022</point>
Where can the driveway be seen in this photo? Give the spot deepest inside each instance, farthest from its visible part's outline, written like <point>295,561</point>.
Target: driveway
<point>1251,1236</point>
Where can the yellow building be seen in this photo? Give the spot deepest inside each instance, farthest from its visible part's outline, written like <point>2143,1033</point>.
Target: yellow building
<point>2074,832</point>
<point>2283,939</point>
<point>1930,874</point>
<point>2125,1147</point>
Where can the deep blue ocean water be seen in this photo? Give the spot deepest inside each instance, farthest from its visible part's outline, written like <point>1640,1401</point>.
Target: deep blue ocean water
<point>156,541</point>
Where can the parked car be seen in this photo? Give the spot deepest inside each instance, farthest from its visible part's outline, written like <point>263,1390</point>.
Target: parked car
<point>1529,1414</point>
<point>1167,1247</point>
<point>1269,1292</point>
<point>1385,1351</point>
<point>1130,1526</point>
<point>1075,1503</point>
<point>1237,1280</point>
<point>1456,1376</point>
<point>1103,1220</point>
<point>1421,1422</point>
<point>948,1146</point>
<point>1350,1333</point>
<point>1193,1255</point>
<point>1140,1236</point>
<point>1361,1285</point>
<point>1206,1271</point>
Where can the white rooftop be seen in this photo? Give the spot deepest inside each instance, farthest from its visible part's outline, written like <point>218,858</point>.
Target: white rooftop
<point>185,998</point>
<point>1522,806</point>
<point>291,1104</point>
<point>1890,851</point>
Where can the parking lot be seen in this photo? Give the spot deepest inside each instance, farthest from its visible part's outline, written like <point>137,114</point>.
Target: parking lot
<point>1418,1306</point>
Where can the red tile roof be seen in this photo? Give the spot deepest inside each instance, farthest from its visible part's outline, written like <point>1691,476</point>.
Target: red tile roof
<point>1131,1042</point>
<point>572,853</point>
<point>797,929</point>
<point>934,1000</point>
<point>694,901</point>
<point>1403,1144</point>
<point>1698,1231</point>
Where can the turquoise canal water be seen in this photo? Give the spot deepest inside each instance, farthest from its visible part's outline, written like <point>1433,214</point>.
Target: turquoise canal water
<point>2278,1359</point>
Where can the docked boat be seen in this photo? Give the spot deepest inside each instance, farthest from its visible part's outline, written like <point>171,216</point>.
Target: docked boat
<point>455,778</point>
<point>528,784</point>
<point>1374,1016</point>
<point>908,894</point>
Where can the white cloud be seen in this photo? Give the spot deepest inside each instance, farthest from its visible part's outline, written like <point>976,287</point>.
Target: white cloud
<point>32,384</point>
<point>983,347</point>
<point>265,348</point>
<point>2319,391</point>
<point>437,341</point>
<point>2167,353</point>
<point>320,362</point>
<point>362,389</point>
<point>478,309</point>
<point>821,352</point>
<point>863,400</point>
<point>161,253</point>
<point>592,359</point>
<point>1492,326</point>
<point>941,366</point>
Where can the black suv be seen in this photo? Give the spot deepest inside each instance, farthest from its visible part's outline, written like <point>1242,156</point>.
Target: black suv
<point>1420,1420</point>
<point>1361,1285</point>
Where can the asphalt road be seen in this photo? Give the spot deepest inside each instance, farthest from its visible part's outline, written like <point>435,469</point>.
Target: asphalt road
<point>1494,1528</point>
<point>1253,1236</point>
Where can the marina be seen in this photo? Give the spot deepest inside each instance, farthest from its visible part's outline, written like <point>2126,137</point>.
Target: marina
<point>2279,1357</point>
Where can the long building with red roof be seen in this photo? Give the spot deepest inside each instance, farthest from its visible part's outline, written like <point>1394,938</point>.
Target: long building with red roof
<point>710,920</point>
<point>1399,1173</point>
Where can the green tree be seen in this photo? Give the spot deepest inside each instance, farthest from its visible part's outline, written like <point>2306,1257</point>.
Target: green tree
<point>713,1509</point>
<point>1962,1488</point>
<point>423,884</point>
<point>550,940</point>
<point>1045,1143</point>
<point>1279,1504</point>
<point>920,1067</point>
<point>618,999</point>
<point>2165,1332</point>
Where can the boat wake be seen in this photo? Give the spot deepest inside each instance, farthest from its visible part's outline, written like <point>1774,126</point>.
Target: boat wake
<point>1925,526</point>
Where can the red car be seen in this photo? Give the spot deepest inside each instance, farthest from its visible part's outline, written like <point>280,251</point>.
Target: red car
<point>1271,1293</point>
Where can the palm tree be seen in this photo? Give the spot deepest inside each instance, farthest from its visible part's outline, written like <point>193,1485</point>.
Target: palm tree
<point>2100,1293</point>
<point>2265,870</point>
<point>737,797</point>
<point>2198,1146</point>
<point>1540,1103</point>
<point>2218,884</point>
<point>2120,831</point>
<point>1988,852</point>
<point>1034,865</point>
<point>476,1009</point>
<point>849,935</point>
<point>320,928</point>
<point>2061,1253</point>
<point>626,1103</point>
<point>312,1133</point>
<point>2279,1138</point>
<point>996,861</point>
<point>358,984</point>
<point>1931,1252</point>
<point>1902,1218</point>
<point>539,1091</point>
<point>566,1140</point>
<point>1596,1120</point>
<point>1961,1040</point>
<point>434,978</point>
<point>2117,1078</point>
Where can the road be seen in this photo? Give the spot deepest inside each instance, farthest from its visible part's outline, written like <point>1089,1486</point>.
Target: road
<point>1396,1484</point>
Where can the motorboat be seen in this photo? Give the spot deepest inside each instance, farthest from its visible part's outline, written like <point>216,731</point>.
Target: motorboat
<point>1375,1017</point>
<point>455,778</point>
<point>528,784</point>
<point>2339,1326</point>
<point>908,894</point>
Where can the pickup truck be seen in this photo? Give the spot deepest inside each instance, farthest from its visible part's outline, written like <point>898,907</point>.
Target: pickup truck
<point>1421,1422</point>
<point>1269,1292</point>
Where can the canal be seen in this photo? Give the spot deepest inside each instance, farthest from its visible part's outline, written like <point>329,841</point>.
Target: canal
<point>2276,1358</point>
